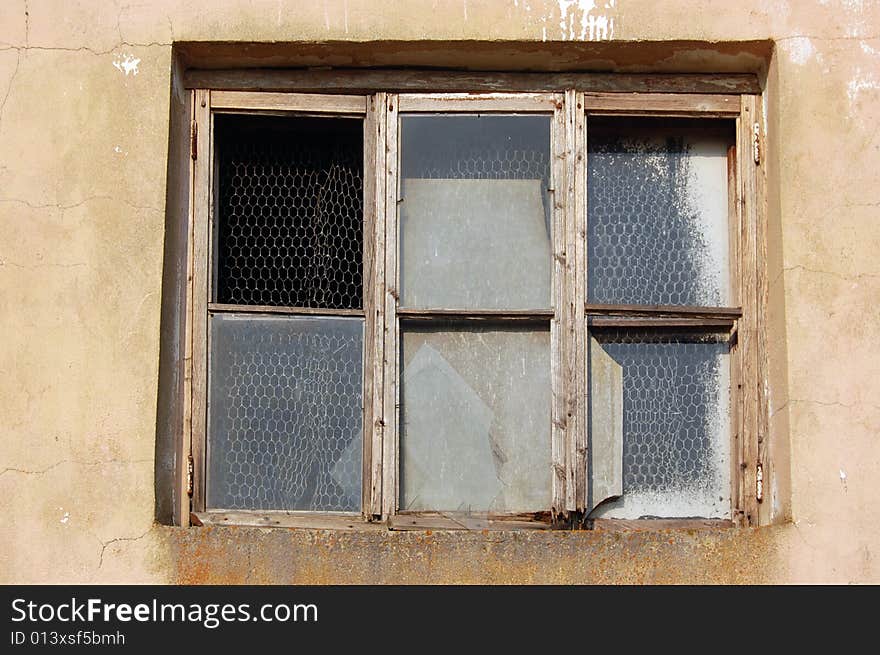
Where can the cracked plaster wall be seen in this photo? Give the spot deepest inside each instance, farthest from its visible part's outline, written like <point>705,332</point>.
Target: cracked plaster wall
<point>84,120</point>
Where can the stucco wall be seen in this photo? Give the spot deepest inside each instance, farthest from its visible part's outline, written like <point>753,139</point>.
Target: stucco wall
<point>85,88</point>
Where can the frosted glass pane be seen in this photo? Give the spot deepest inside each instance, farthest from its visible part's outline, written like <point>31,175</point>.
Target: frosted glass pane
<point>658,212</point>
<point>676,423</point>
<point>475,420</point>
<point>474,217</point>
<point>285,413</point>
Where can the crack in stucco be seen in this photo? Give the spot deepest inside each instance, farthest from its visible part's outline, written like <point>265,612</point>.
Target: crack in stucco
<point>105,544</point>
<point>73,461</point>
<point>79,203</point>
<point>810,401</point>
<point>842,276</point>
<point>825,38</point>
<point>101,53</point>
<point>9,88</point>
<point>33,267</point>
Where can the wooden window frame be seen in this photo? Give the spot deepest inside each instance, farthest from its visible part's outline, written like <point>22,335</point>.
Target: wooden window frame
<point>571,105</point>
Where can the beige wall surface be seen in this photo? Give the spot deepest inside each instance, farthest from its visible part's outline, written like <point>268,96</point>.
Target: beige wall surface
<point>85,92</point>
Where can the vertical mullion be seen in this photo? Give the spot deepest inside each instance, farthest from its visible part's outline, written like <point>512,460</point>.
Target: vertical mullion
<point>577,215</point>
<point>734,210</point>
<point>184,451</point>
<point>390,467</point>
<point>748,331</point>
<point>559,323</point>
<point>202,208</point>
<point>570,318</point>
<point>761,299</point>
<point>374,263</point>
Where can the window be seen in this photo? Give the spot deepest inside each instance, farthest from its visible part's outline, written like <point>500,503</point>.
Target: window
<point>483,309</point>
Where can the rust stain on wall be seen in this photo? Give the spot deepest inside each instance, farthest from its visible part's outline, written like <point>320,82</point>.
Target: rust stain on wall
<point>229,555</point>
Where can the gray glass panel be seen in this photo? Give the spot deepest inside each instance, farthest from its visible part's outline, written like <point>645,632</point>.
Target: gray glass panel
<point>676,423</point>
<point>657,212</point>
<point>475,215</point>
<point>285,413</point>
<point>475,420</point>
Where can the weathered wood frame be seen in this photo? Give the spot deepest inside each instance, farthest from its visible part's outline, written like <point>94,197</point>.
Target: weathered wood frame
<point>553,106</point>
<point>207,104</point>
<point>732,97</point>
<point>744,320</point>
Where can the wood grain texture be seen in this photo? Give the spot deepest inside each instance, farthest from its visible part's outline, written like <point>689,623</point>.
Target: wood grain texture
<point>748,329</point>
<point>483,102</point>
<point>725,324</point>
<point>659,311</point>
<point>575,101</point>
<point>202,194</point>
<point>647,525</point>
<point>280,519</point>
<point>558,448</point>
<point>472,522</point>
<point>666,104</point>
<point>288,102</point>
<point>221,308</point>
<point>365,80</point>
<point>376,292</point>
<point>391,400</point>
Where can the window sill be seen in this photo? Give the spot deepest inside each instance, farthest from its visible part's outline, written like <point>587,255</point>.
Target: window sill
<point>439,521</point>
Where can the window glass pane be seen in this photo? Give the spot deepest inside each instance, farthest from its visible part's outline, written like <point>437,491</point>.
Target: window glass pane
<point>475,420</point>
<point>289,211</point>
<point>676,423</point>
<point>475,214</point>
<point>285,413</point>
<point>658,231</point>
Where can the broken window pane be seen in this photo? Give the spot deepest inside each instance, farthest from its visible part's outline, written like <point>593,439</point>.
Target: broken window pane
<point>658,211</point>
<point>285,413</point>
<point>475,420</point>
<point>475,215</point>
<point>289,211</point>
<point>675,421</point>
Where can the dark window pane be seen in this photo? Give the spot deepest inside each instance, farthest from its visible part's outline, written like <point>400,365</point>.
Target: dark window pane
<point>676,422</point>
<point>475,216</point>
<point>289,211</point>
<point>658,229</point>
<point>285,413</point>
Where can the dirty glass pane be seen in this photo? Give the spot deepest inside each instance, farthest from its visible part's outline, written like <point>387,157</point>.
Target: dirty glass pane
<point>289,211</point>
<point>475,214</point>
<point>657,211</point>
<point>285,413</point>
<point>675,422</point>
<point>475,420</point>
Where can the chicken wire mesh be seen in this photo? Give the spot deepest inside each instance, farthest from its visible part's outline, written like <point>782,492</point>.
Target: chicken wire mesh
<point>676,425</point>
<point>657,212</point>
<point>477,147</point>
<point>285,413</point>
<point>289,211</point>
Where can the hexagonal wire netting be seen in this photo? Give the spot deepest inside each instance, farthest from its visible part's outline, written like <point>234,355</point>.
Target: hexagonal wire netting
<point>285,393</point>
<point>285,413</point>
<point>673,387</point>
<point>289,211</point>
<point>658,235</point>
<point>657,204</point>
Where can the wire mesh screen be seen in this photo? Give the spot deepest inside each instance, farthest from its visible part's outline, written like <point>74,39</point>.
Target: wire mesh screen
<point>476,147</point>
<point>285,412</point>
<point>676,424</point>
<point>290,211</point>
<point>658,215</point>
<point>474,212</point>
